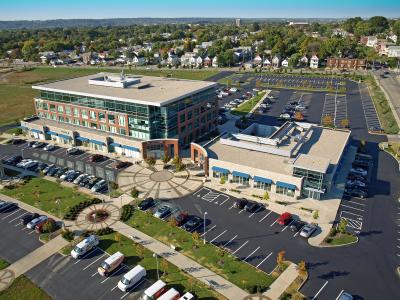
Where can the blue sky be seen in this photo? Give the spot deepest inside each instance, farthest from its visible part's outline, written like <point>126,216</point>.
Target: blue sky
<point>67,9</point>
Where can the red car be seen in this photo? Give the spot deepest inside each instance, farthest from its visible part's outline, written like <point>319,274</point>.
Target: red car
<point>96,158</point>
<point>180,219</point>
<point>39,226</point>
<point>285,218</point>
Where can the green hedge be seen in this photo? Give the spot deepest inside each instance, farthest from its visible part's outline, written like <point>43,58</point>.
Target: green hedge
<point>127,212</point>
<point>74,211</point>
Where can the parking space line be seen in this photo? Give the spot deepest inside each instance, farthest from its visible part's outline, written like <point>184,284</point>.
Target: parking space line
<point>362,204</point>
<point>209,230</point>
<point>274,222</point>
<point>93,262</point>
<point>298,231</point>
<point>131,289</point>
<point>265,216</point>
<point>7,210</point>
<point>241,211</point>
<point>87,254</point>
<point>226,244</point>
<point>255,212</point>
<point>224,201</point>
<point>359,209</point>
<point>264,260</point>
<point>94,274</point>
<point>218,236</point>
<point>255,250</point>
<point>320,290</point>
<point>113,273</point>
<point>231,206</point>
<point>11,214</point>
<point>31,232</point>
<point>287,226</point>
<point>18,217</point>
<point>240,247</point>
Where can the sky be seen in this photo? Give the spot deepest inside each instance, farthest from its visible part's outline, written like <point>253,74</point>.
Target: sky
<point>90,9</point>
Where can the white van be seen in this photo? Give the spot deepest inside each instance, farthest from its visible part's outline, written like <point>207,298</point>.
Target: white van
<point>154,291</point>
<point>111,263</point>
<point>85,246</point>
<point>133,277</point>
<point>171,294</point>
<point>187,296</point>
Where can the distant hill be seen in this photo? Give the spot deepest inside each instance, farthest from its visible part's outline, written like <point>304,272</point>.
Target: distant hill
<point>35,24</point>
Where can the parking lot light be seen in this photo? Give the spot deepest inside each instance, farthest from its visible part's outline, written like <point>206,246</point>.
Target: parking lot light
<point>204,225</point>
<point>158,272</point>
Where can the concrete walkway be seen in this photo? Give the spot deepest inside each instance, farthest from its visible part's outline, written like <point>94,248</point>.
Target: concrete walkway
<point>218,283</point>
<point>283,282</point>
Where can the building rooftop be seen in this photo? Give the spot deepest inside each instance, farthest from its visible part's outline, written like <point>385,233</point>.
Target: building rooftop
<point>147,90</point>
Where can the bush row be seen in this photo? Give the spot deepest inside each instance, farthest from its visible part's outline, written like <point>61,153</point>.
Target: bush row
<point>73,211</point>
<point>127,212</point>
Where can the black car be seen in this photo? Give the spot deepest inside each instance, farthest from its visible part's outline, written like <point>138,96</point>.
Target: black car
<point>6,206</point>
<point>297,225</point>
<point>31,143</point>
<point>252,207</point>
<point>41,166</point>
<point>85,181</point>
<point>13,160</point>
<point>356,177</point>
<point>17,141</point>
<point>53,171</point>
<point>91,182</point>
<point>60,172</point>
<point>71,177</point>
<point>33,167</point>
<point>356,192</point>
<point>146,203</point>
<point>48,169</point>
<point>25,219</point>
<point>240,204</point>
<point>192,223</point>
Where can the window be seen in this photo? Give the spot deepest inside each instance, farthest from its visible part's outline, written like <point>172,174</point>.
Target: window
<point>61,119</point>
<point>113,129</point>
<point>220,175</point>
<point>262,185</point>
<point>93,125</point>
<point>183,129</point>
<point>103,127</point>
<point>285,191</point>
<point>93,115</point>
<point>77,122</point>
<point>121,120</point>
<point>76,112</point>
<point>111,119</point>
<point>102,117</point>
<point>182,118</point>
<point>60,108</point>
<point>240,180</point>
<point>84,114</point>
<point>122,131</point>
<point>52,107</point>
<point>190,114</point>
<point>85,123</point>
<point>68,110</point>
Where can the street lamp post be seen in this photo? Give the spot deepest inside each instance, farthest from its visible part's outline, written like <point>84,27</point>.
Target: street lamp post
<point>204,224</point>
<point>158,272</point>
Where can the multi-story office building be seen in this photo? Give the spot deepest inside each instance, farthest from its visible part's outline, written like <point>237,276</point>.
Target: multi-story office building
<point>135,116</point>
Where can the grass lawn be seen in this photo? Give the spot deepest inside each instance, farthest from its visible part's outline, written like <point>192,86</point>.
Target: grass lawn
<point>240,273</point>
<point>385,114</point>
<point>23,288</point>
<point>17,95</point>
<point>292,292</point>
<point>43,194</point>
<point>341,239</point>
<point>247,106</point>
<point>172,275</point>
<point>394,149</point>
<point>3,264</point>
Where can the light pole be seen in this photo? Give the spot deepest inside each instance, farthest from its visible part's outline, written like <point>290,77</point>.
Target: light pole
<point>158,272</point>
<point>204,224</point>
<point>22,152</point>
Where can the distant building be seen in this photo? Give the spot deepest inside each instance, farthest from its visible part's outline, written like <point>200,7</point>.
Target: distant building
<point>276,61</point>
<point>346,63</point>
<point>298,24</point>
<point>314,60</point>
<point>215,62</point>
<point>238,22</point>
<point>285,63</point>
<point>393,51</point>
<point>303,61</point>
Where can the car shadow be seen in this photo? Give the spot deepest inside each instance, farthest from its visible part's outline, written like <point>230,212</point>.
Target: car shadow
<point>331,275</point>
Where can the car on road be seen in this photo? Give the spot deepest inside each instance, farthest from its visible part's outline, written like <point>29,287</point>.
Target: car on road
<point>49,147</point>
<point>180,218</point>
<point>146,204</point>
<point>34,222</point>
<point>96,158</point>
<point>162,211</point>
<point>25,219</point>
<point>99,186</point>
<point>359,171</point>
<point>285,218</point>
<point>6,206</point>
<point>38,145</point>
<point>192,223</point>
<point>297,225</point>
<point>121,164</point>
<point>81,177</point>
<point>252,206</point>
<point>308,230</point>
<point>240,203</point>
<point>72,151</point>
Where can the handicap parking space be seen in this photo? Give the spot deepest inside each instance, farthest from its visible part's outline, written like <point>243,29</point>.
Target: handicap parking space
<point>16,240</point>
<point>58,274</point>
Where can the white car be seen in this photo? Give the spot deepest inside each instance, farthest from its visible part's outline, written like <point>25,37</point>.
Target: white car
<point>233,90</point>
<point>220,96</point>
<point>224,94</point>
<point>308,230</point>
<point>49,147</point>
<point>73,150</point>
<point>34,222</point>
<point>23,162</point>
<point>65,175</point>
<point>80,178</point>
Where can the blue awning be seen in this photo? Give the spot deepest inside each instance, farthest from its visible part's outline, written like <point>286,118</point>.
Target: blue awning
<point>51,132</point>
<point>220,170</point>
<point>97,142</point>
<point>115,145</point>
<point>240,174</point>
<point>286,185</point>
<point>81,138</point>
<point>64,136</point>
<point>37,131</point>
<point>131,148</point>
<point>262,179</point>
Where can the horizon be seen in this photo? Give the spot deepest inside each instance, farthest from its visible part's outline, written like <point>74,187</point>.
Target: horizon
<point>43,10</point>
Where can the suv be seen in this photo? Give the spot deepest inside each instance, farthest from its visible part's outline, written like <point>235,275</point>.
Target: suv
<point>193,223</point>
<point>240,204</point>
<point>25,219</point>
<point>297,225</point>
<point>252,207</point>
<point>285,218</point>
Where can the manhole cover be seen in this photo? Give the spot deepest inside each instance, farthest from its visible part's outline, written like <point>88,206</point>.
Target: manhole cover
<point>161,176</point>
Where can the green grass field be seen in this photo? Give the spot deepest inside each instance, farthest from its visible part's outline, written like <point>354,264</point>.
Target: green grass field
<point>22,288</point>
<point>342,239</point>
<point>17,95</point>
<point>43,194</point>
<point>247,106</point>
<point>239,273</point>
<point>3,264</point>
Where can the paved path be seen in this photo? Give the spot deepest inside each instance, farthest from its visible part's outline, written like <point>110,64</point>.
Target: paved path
<point>281,284</point>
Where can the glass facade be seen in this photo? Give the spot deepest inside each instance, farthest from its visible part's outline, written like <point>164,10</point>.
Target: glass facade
<point>262,185</point>
<point>285,191</point>
<point>313,181</point>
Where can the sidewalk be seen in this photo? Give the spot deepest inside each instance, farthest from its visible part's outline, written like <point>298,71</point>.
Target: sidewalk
<point>282,283</point>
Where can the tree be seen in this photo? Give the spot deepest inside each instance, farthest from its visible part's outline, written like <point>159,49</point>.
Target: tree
<point>196,238</point>
<point>298,116</point>
<point>117,238</point>
<point>266,196</point>
<point>342,226</point>
<point>280,259</point>
<point>302,268</point>
<point>344,123</point>
<point>316,214</point>
<point>327,121</point>
<point>134,192</point>
<point>222,180</point>
<point>29,50</point>
<point>49,226</point>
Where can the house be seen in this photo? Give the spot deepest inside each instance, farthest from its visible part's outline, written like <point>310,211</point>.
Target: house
<point>303,61</point>
<point>86,57</point>
<point>206,45</point>
<point>187,59</point>
<point>47,56</point>
<point>257,60</point>
<point>346,63</point>
<point>276,61</point>
<point>392,37</point>
<point>207,61</point>
<point>199,62</point>
<point>267,63</point>
<point>393,51</point>
<point>383,46</point>
<point>138,61</point>
<point>173,60</point>
<point>215,62</point>
<point>314,62</point>
<point>285,63</point>
<point>372,41</point>
<point>340,32</point>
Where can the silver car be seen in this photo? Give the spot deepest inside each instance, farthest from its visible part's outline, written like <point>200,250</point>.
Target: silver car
<point>308,230</point>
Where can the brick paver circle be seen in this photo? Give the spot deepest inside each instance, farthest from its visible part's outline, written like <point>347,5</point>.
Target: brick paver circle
<point>161,176</point>
<point>6,278</point>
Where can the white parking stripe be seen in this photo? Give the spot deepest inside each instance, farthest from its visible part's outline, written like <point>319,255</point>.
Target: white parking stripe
<point>287,225</point>
<point>93,262</point>
<point>94,274</point>
<point>240,247</point>
<point>11,214</point>
<point>17,217</point>
<point>255,250</point>
<point>274,222</point>
<point>341,292</point>
<point>218,236</point>
<point>298,231</point>
<point>231,206</point>
<point>255,212</point>
<point>87,254</point>
<point>351,207</point>
<point>224,201</point>
<point>265,216</point>
<point>209,230</point>
<point>264,260</point>
<point>226,244</point>
<point>320,290</point>
<point>31,232</point>
<point>114,288</point>
<point>362,204</point>
<point>241,211</point>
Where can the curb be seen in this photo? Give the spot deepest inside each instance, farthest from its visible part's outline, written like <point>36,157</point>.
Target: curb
<point>336,246</point>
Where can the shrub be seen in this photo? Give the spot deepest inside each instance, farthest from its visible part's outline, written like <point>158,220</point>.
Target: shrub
<point>68,235</point>
<point>150,161</point>
<point>315,215</point>
<point>49,226</point>
<point>15,131</point>
<point>104,231</point>
<point>222,180</point>
<point>114,185</point>
<point>134,192</point>
<point>73,211</point>
<point>266,196</point>
<point>127,212</point>
<point>333,232</point>
<point>165,159</point>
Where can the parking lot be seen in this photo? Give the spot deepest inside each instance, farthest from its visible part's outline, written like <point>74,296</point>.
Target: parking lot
<point>13,233</point>
<point>59,274</point>
<point>336,107</point>
<point>370,114</point>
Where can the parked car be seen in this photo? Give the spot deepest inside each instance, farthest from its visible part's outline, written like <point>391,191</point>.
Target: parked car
<point>36,221</point>
<point>48,168</point>
<point>31,166</point>
<point>252,206</point>
<point>41,166</point>
<point>6,206</point>
<point>355,183</point>
<point>66,174</point>
<point>60,172</point>
<point>81,177</point>
<point>96,158</point>
<point>240,203</point>
<point>38,145</point>
<point>53,171</point>
<point>25,219</point>
<point>146,204</point>
<point>72,151</point>
<point>17,141</point>
<point>180,218</point>
<point>85,246</point>
<point>359,171</point>
<point>23,162</point>
<point>308,230</point>
<point>39,226</point>
<point>31,143</point>
<point>345,296</point>
<point>13,160</point>
<point>131,278</point>
<point>71,176</point>
<point>99,186</point>
<point>91,182</point>
<point>285,218</point>
<point>121,164</point>
<point>192,223</point>
<point>111,263</point>
<point>358,177</point>
<point>356,192</point>
<point>86,180</point>
<point>297,225</point>
<point>162,211</point>
<point>49,147</point>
